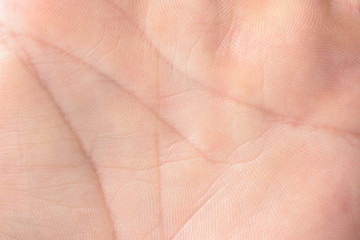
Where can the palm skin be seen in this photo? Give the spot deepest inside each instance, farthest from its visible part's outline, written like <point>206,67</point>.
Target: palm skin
<point>179,119</point>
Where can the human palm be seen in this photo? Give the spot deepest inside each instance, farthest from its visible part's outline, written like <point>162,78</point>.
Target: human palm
<point>179,119</point>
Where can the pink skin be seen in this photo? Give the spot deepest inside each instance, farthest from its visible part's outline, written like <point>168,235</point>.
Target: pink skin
<point>206,119</point>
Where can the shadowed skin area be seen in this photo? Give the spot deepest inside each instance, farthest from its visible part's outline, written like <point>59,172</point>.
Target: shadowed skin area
<point>183,119</point>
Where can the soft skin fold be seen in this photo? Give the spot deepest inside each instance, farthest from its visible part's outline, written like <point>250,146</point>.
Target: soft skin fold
<point>183,119</point>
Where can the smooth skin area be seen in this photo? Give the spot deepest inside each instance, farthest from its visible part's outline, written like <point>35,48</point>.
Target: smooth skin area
<point>181,119</point>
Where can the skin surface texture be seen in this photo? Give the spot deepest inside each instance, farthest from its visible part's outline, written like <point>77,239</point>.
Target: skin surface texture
<point>181,119</point>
